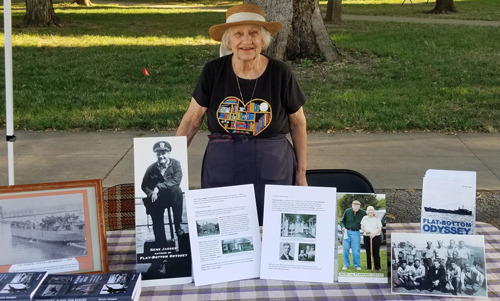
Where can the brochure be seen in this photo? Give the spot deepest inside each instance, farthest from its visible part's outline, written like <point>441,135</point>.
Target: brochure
<point>299,239</point>
<point>226,237</point>
<point>443,265</point>
<point>366,252</point>
<point>448,202</point>
<point>162,235</point>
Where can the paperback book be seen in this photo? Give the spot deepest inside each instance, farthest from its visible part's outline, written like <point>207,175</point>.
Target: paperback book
<point>83,287</point>
<point>20,286</point>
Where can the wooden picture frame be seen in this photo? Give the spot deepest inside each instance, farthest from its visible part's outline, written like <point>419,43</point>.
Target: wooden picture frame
<point>55,227</point>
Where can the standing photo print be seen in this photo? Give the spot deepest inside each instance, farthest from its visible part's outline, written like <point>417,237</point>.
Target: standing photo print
<point>162,238</point>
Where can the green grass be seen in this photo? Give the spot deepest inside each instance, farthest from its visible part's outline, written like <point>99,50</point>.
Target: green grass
<point>488,10</point>
<point>87,74</point>
<point>364,270</point>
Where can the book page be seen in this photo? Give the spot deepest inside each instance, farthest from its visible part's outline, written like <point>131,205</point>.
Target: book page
<point>299,233</point>
<point>225,239</point>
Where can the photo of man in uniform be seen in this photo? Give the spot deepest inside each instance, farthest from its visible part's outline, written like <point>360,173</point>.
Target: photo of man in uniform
<point>161,184</point>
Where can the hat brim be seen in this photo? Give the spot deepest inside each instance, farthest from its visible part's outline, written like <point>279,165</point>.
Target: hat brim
<point>217,31</point>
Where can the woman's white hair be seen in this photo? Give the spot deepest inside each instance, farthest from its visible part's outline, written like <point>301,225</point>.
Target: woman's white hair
<point>266,38</point>
<point>370,208</point>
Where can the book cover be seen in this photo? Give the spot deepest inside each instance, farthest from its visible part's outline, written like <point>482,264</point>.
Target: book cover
<point>448,202</point>
<point>162,234</point>
<point>82,287</point>
<point>439,265</point>
<point>361,246</point>
<point>20,286</point>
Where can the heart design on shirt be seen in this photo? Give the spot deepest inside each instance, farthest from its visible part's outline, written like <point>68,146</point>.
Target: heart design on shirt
<point>251,118</point>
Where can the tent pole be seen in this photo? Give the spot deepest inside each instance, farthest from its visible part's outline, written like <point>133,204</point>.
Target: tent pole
<point>9,95</point>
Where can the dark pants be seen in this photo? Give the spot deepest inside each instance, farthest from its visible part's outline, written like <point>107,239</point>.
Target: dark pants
<point>169,197</point>
<point>239,159</point>
<point>427,263</point>
<point>455,282</point>
<point>377,241</point>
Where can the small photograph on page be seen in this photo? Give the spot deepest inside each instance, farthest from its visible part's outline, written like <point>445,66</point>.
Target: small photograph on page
<point>82,289</point>
<point>298,225</point>
<point>13,288</point>
<point>207,227</point>
<point>113,289</point>
<point>52,290</point>
<point>121,278</point>
<point>307,252</point>
<point>236,245</point>
<point>287,249</point>
<point>61,279</point>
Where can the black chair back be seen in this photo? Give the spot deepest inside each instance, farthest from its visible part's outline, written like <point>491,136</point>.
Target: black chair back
<point>345,180</point>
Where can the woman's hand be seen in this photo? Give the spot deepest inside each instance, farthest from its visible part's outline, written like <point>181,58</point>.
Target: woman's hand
<point>300,179</point>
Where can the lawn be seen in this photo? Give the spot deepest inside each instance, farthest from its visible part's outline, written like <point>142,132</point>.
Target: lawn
<point>87,74</point>
<point>364,270</point>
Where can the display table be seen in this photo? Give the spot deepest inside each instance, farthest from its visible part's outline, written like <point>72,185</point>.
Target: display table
<point>121,248</point>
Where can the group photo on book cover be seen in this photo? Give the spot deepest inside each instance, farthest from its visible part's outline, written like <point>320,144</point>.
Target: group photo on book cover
<point>162,234</point>
<point>438,264</point>
<point>361,236</point>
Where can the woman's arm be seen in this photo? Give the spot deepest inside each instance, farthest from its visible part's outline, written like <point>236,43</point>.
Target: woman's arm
<point>298,132</point>
<point>192,120</point>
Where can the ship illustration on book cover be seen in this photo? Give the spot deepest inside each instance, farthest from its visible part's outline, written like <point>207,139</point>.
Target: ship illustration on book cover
<point>448,202</point>
<point>82,287</point>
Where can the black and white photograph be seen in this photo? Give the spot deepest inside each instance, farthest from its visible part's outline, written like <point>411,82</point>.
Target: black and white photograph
<point>161,180</point>
<point>298,225</point>
<point>121,278</point>
<point>113,289</point>
<point>24,278</point>
<point>52,290</point>
<point>237,245</point>
<point>14,288</point>
<point>438,265</point>
<point>287,251</point>
<point>41,228</point>
<point>61,279</point>
<point>82,289</point>
<point>207,227</point>
<point>307,252</point>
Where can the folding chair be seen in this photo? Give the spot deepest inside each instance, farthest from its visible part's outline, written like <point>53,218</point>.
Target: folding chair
<point>345,180</point>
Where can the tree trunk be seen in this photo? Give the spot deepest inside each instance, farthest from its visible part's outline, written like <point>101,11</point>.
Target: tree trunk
<point>40,13</point>
<point>303,34</point>
<point>334,11</point>
<point>444,7</point>
<point>83,2</point>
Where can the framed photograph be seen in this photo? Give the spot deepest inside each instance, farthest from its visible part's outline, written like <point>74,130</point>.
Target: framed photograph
<point>54,227</point>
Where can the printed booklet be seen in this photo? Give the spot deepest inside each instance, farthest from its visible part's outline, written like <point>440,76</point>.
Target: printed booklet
<point>448,202</point>
<point>297,241</point>
<point>162,235</point>
<point>439,265</point>
<point>20,286</point>
<point>89,287</point>
<point>226,235</point>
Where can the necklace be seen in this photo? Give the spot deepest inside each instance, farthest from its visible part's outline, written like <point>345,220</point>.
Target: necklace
<point>239,88</point>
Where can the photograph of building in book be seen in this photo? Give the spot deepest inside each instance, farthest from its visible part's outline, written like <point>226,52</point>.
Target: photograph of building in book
<point>207,227</point>
<point>435,264</point>
<point>41,228</point>
<point>298,225</point>
<point>361,238</point>
<point>237,245</point>
<point>237,117</point>
<point>162,238</point>
<point>307,252</point>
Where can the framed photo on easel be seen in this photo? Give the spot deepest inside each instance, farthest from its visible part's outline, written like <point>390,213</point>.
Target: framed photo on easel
<point>55,227</point>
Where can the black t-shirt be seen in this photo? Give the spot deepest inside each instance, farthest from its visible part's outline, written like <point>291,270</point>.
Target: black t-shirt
<point>276,93</point>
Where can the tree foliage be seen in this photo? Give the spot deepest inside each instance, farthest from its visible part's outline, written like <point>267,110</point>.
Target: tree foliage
<point>365,199</point>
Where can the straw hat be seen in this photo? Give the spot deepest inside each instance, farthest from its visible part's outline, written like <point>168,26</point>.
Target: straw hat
<point>244,14</point>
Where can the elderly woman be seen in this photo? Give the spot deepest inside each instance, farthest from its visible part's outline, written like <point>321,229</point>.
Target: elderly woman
<point>251,102</point>
<point>372,227</point>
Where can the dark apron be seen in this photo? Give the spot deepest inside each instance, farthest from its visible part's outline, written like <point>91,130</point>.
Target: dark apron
<point>238,159</point>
